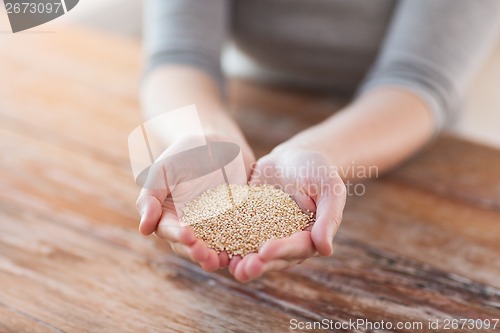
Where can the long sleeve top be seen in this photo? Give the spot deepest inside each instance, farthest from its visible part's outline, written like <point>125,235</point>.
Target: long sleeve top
<point>430,47</point>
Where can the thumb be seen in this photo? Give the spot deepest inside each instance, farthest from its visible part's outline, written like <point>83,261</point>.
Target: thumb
<point>329,210</point>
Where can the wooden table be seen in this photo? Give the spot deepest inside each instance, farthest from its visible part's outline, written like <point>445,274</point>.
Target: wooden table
<point>422,243</point>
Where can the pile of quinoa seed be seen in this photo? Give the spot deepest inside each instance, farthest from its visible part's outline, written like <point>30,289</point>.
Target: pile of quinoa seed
<point>239,219</point>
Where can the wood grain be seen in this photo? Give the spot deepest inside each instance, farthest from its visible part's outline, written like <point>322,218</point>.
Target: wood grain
<point>15,321</point>
<point>421,243</point>
<point>82,283</point>
<point>458,169</point>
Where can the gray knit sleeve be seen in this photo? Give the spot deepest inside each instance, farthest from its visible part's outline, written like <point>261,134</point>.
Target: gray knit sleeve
<point>190,32</point>
<point>433,48</point>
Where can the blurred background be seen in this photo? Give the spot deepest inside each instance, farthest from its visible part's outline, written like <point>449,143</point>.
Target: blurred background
<point>480,120</point>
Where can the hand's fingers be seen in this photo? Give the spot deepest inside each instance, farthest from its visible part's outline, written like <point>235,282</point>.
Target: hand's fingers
<point>258,175</point>
<point>169,228</point>
<point>330,207</point>
<point>149,207</point>
<point>248,160</point>
<point>254,181</point>
<point>297,246</point>
<point>233,263</point>
<point>181,250</point>
<point>211,263</point>
<point>252,266</point>
<point>223,259</point>
<point>305,202</point>
<point>151,198</point>
<point>197,252</point>
<point>240,272</point>
<point>279,265</point>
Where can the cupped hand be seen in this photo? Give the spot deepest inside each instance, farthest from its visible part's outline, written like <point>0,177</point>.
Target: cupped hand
<point>159,210</point>
<point>315,185</point>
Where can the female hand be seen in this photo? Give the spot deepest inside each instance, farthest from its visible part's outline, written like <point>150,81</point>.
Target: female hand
<point>316,186</point>
<point>158,206</point>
